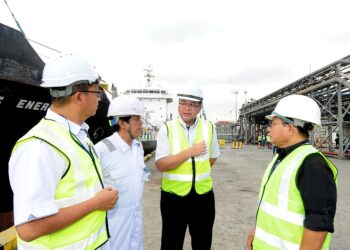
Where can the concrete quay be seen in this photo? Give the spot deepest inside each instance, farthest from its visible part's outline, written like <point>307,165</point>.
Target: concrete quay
<point>236,177</point>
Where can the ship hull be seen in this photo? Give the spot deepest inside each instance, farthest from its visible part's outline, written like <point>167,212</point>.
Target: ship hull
<point>23,103</point>
<point>149,146</point>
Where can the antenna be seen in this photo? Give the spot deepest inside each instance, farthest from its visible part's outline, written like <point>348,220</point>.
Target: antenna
<point>149,75</point>
<point>114,91</point>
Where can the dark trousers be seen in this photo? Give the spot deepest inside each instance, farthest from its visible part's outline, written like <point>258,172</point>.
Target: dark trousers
<point>196,211</point>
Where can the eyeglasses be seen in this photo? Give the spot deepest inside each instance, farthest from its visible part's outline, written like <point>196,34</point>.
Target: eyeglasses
<point>271,124</point>
<point>99,93</point>
<point>190,104</point>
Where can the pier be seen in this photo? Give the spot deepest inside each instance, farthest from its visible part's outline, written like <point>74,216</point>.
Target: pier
<point>236,179</point>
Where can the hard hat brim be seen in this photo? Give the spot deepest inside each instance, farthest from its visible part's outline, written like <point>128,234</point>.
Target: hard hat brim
<point>270,117</point>
<point>190,97</point>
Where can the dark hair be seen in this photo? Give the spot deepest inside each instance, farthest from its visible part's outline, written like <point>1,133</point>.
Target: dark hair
<point>116,127</point>
<point>81,87</point>
<point>305,129</point>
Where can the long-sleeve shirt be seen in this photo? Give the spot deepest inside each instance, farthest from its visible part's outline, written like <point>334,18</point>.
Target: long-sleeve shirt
<point>317,187</point>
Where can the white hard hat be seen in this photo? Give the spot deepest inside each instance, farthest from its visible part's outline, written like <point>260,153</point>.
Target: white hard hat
<point>66,70</point>
<point>301,108</point>
<point>123,106</point>
<point>191,92</point>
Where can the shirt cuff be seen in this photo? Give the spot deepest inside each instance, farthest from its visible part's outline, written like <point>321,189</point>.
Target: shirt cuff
<point>319,222</point>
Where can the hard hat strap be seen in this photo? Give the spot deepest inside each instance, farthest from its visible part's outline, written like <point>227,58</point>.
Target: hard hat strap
<point>191,96</point>
<point>285,119</point>
<point>67,91</point>
<point>56,93</point>
<point>295,122</point>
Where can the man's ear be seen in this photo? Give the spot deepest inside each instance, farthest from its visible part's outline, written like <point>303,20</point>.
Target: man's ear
<point>292,129</point>
<point>78,98</point>
<point>121,123</point>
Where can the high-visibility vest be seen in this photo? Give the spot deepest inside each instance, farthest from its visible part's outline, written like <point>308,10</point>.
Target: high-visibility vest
<point>259,138</point>
<point>81,182</point>
<point>281,214</point>
<point>180,179</point>
<point>268,138</point>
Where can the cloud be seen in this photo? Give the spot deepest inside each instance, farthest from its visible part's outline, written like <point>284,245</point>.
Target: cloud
<point>246,77</point>
<point>253,46</point>
<point>253,75</point>
<point>340,38</point>
<point>180,32</point>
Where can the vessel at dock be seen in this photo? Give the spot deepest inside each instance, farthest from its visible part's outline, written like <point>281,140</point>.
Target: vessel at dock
<point>156,100</point>
<point>23,103</point>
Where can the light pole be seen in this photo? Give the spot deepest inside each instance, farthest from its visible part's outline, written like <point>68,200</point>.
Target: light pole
<point>245,96</point>
<point>235,92</point>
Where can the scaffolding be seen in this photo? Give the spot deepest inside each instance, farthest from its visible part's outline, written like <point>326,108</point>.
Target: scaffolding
<point>330,88</point>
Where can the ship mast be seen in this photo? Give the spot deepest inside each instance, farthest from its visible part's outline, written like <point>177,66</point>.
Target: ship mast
<point>114,91</point>
<point>149,75</point>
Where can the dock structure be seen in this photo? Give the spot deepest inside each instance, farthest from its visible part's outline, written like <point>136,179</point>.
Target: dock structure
<point>236,177</point>
<point>330,88</point>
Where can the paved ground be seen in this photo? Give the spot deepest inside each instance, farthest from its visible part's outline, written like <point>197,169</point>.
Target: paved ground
<point>236,176</point>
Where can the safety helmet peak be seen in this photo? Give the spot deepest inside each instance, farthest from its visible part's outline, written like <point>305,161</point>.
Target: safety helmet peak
<point>302,109</point>
<point>124,106</point>
<point>191,92</point>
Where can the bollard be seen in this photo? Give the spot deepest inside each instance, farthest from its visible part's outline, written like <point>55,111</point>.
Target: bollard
<point>222,143</point>
<point>8,239</point>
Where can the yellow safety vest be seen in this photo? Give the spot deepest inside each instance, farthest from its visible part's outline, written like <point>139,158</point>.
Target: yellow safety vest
<point>81,182</point>
<point>179,180</point>
<point>281,213</point>
<point>268,138</point>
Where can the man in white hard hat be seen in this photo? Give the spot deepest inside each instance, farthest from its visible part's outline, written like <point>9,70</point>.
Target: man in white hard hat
<point>187,149</point>
<point>59,198</point>
<point>298,193</point>
<point>123,168</point>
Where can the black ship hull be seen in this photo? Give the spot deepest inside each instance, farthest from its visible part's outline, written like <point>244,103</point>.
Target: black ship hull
<point>23,103</point>
<point>149,146</point>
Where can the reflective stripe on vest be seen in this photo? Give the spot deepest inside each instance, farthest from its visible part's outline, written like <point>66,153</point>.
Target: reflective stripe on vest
<point>273,241</point>
<point>80,183</point>
<point>86,244</point>
<point>281,212</point>
<point>185,177</point>
<point>179,180</point>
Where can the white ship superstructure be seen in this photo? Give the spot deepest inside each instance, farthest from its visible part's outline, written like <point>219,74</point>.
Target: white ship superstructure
<point>155,99</point>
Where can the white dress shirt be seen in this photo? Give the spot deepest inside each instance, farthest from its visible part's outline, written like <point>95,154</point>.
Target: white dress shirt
<point>35,169</point>
<point>122,169</point>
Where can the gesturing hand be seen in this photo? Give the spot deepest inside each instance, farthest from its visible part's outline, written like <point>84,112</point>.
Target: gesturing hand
<point>198,149</point>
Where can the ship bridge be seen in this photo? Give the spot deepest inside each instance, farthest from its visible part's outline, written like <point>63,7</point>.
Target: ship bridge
<point>329,87</point>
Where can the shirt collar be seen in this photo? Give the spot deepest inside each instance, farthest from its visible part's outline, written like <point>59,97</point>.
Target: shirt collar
<point>122,144</point>
<point>184,124</point>
<point>67,124</point>
<point>283,152</point>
